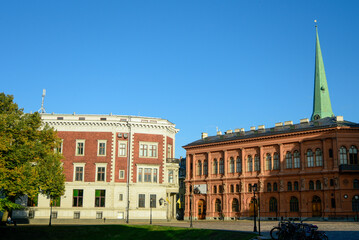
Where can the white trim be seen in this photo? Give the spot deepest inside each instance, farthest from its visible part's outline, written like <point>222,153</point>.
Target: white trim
<point>120,142</point>
<point>101,165</point>
<point>83,171</point>
<point>80,141</point>
<point>148,144</point>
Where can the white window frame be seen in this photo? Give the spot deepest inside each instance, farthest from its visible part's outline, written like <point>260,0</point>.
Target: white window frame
<point>169,151</point>
<point>123,174</point>
<point>61,147</point>
<point>146,149</point>
<point>101,165</point>
<point>119,150</point>
<point>76,148</point>
<point>83,171</point>
<point>152,167</point>
<point>174,176</point>
<point>98,147</point>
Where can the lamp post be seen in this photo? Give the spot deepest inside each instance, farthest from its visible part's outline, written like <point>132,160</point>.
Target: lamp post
<point>151,210</point>
<point>356,205</point>
<point>254,207</point>
<point>190,211</point>
<point>50,211</point>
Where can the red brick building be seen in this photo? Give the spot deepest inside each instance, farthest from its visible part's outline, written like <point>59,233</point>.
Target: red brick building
<point>309,169</point>
<point>116,167</point>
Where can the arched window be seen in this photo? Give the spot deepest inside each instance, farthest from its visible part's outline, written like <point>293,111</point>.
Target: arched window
<point>237,187</point>
<point>296,186</point>
<point>249,163</point>
<point>256,163</point>
<point>353,155</point>
<point>215,166</point>
<point>311,185</point>
<point>273,205</point>
<point>288,159</point>
<point>235,205</point>
<point>269,187</point>
<point>355,203</point>
<point>289,186</point>
<point>218,206</point>
<point>199,168</point>
<point>310,159</point>
<point>275,187</point>
<point>296,159</point>
<point>318,185</point>
<point>276,161</point>
<point>238,165</point>
<point>249,187</point>
<point>205,167</point>
<point>356,184</point>
<point>268,162</point>
<point>215,189</point>
<point>221,166</point>
<point>232,188</point>
<point>231,165</point>
<point>294,204</point>
<point>343,155</point>
<point>318,157</point>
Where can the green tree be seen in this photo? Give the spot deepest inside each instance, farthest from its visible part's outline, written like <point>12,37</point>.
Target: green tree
<point>28,163</point>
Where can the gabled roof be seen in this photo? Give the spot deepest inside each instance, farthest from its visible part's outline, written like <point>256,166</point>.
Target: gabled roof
<point>323,123</point>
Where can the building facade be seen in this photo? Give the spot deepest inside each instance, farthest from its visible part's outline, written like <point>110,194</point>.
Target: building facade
<point>303,170</point>
<point>116,167</point>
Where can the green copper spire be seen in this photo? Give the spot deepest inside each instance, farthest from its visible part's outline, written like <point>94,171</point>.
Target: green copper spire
<point>322,107</point>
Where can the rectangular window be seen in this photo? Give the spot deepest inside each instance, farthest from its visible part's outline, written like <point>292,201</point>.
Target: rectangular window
<point>101,148</point>
<point>148,149</point>
<point>148,174</point>
<point>169,151</point>
<point>59,148</point>
<point>333,202</point>
<point>100,197</point>
<point>121,174</point>
<point>141,200</point>
<point>155,175</point>
<point>153,151</point>
<point>79,172</point>
<point>153,200</point>
<point>120,198</point>
<point>76,215</point>
<point>56,202</point>
<point>170,176</point>
<point>140,174</point>
<point>98,215</point>
<point>78,195</point>
<point>101,174</point>
<point>122,149</point>
<point>80,147</point>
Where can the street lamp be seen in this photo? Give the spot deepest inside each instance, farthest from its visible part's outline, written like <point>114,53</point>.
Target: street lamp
<point>356,205</point>
<point>51,201</point>
<point>190,211</point>
<point>151,210</point>
<point>254,207</point>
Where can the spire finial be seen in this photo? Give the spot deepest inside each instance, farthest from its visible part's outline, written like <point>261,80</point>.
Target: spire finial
<point>315,20</point>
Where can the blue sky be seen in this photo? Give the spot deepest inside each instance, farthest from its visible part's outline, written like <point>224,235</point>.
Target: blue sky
<point>199,64</point>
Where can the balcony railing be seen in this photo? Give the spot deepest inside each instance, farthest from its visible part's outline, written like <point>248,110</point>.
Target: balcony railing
<point>172,160</point>
<point>348,168</point>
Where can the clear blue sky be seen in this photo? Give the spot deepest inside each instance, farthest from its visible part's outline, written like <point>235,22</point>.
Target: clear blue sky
<point>200,64</point>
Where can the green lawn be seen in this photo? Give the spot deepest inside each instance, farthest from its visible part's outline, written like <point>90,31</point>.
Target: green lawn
<point>102,232</point>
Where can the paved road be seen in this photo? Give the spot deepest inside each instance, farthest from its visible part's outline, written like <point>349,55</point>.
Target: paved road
<point>334,230</point>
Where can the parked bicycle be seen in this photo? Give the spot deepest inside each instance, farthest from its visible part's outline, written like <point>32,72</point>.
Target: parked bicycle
<point>287,230</point>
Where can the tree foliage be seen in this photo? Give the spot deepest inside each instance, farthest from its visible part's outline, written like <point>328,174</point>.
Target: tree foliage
<point>28,163</point>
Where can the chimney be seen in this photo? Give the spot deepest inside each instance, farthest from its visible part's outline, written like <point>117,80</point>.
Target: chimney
<point>304,120</point>
<point>253,128</point>
<point>219,133</point>
<point>261,127</point>
<point>279,124</point>
<point>204,135</point>
<point>339,118</point>
<point>236,130</point>
<point>287,123</point>
<point>229,132</point>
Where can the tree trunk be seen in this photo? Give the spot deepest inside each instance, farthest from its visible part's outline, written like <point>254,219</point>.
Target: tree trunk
<point>4,217</point>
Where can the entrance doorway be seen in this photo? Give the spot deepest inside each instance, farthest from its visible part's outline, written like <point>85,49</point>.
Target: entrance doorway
<point>316,207</point>
<point>201,209</point>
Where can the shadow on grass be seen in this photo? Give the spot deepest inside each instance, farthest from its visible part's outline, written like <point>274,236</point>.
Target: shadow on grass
<point>102,232</point>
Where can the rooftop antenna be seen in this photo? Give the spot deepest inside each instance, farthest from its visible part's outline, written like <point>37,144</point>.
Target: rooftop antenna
<point>42,109</point>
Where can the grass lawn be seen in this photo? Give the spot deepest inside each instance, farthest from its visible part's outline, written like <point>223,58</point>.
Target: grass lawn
<point>102,232</point>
